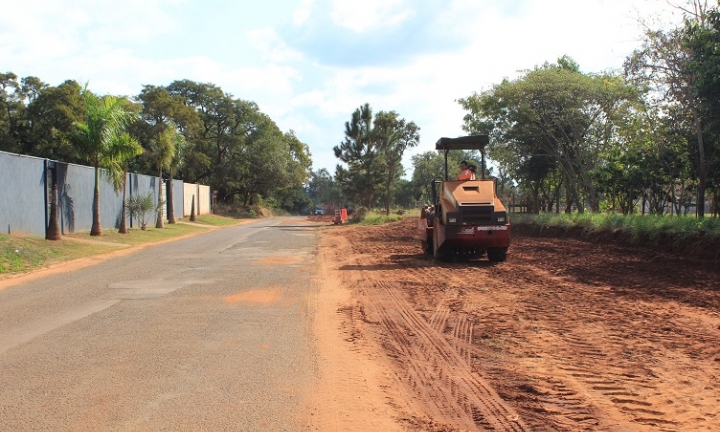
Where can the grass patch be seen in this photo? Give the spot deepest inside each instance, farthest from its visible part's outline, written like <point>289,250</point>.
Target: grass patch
<point>652,229</point>
<point>215,220</point>
<point>136,236</point>
<point>377,218</point>
<point>20,254</point>
<point>364,217</point>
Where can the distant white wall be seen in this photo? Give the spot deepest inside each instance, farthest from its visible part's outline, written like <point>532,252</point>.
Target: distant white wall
<point>202,198</point>
<point>204,203</point>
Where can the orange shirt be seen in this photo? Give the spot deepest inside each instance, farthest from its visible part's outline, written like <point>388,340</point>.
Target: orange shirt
<point>466,175</point>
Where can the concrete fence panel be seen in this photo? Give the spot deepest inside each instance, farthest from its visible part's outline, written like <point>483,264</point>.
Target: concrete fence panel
<point>178,198</point>
<point>23,195</point>
<point>76,190</point>
<point>204,199</point>
<point>26,187</point>
<point>189,191</point>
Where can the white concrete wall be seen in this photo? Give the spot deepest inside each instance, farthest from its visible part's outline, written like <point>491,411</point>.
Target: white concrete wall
<point>204,203</point>
<point>202,199</point>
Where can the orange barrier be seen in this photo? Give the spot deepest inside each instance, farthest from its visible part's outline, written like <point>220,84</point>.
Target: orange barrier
<point>340,216</point>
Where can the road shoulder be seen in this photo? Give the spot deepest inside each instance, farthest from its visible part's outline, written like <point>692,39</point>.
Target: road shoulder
<point>349,395</point>
<point>57,267</point>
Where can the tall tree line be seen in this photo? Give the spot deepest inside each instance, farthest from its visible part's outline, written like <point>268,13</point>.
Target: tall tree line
<point>371,156</point>
<point>646,138</point>
<point>187,130</point>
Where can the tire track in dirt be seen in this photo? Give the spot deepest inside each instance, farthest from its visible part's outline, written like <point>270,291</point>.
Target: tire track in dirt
<point>468,400</point>
<point>560,401</point>
<point>623,374</point>
<point>561,352</point>
<point>578,368</point>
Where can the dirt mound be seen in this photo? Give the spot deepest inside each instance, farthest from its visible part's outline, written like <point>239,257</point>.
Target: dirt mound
<point>565,335</point>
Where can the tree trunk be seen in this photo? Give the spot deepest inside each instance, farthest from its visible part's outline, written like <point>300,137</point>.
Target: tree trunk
<point>536,199</point>
<point>171,209</point>
<point>96,229</point>
<point>192,209</point>
<point>388,193</point>
<point>123,223</point>
<point>700,207</point>
<point>159,216</point>
<point>557,199</point>
<point>702,171</point>
<point>53,229</point>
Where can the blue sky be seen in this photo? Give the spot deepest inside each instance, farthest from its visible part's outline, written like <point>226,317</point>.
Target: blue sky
<point>310,63</point>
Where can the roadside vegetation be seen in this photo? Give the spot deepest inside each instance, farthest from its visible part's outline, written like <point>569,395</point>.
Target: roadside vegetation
<point>642,140</point>
<point>680,233</point>
<point>363,216</point>
<point>137,236</point>
<point>19,254</point>
<point>185,130</point>
<point>215,220</point>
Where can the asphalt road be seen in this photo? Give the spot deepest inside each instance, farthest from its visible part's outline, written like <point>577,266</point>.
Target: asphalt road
<point>206,333</point>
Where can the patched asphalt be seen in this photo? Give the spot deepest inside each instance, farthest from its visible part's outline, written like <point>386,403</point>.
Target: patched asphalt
<point>206,333</point>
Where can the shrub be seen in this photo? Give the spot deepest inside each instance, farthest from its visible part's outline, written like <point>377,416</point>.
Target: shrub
<point>359,215</point>
<point>652,229</point>
<point>138,206</point>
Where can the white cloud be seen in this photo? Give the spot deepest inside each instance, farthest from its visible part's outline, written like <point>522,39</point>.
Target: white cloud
<point>303,12</point>
<point>272,48</point>
<point>360,16</point>
<point>598,34</point>
<point>100,42</point>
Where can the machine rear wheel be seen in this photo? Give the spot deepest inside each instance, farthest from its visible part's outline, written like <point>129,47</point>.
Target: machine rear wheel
<point>427,247</point>
<point>497,254</point>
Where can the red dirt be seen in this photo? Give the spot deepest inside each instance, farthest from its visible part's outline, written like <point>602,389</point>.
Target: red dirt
<point>565,335</point>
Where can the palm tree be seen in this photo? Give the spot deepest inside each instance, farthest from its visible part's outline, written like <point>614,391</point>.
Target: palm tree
<point>123,148</point>
<point>106,118</point>
<point>175,164</point>
<point>163,152</point>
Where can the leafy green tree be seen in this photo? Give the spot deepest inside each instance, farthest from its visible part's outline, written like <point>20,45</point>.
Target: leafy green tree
<point>11,108</point>
<point>106,119</point>
<point>163,149</point>
<point>405,194</point>
<point>430,165</point>
<point>322,189</point>
<point>394,135</point>
<point>51,116</point>
<point>122,149</point>
<point>679,65</point>
<point>159,108</point>
<point>553,116</point>
<point>364,176</point>
<point>426,167</point>
<point>372,150</point>
<point>702,27</point>
<point>235,147</point>
<point>177,161</point>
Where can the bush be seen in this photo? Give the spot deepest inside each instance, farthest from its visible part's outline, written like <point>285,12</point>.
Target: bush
<point>358,215</point>
<point>363,216</point>
<point>138,206</point>
<point>241,212</point>
<point>652,229</point>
